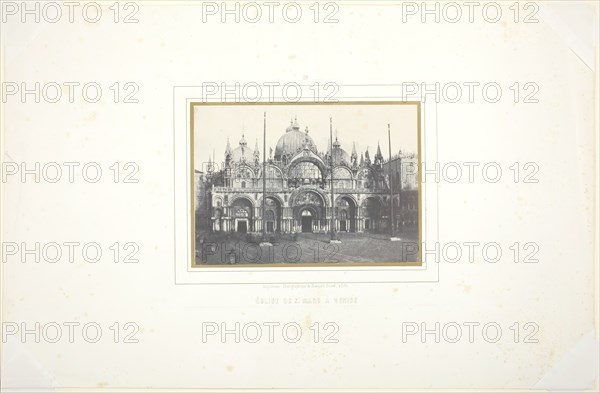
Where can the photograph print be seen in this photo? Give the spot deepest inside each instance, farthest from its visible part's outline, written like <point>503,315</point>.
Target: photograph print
<point>306,184</point>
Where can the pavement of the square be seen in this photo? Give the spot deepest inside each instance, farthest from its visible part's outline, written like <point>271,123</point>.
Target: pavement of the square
<point>309,248</point>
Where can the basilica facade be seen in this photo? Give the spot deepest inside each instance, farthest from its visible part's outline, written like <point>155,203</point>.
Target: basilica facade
<point>298,180</point>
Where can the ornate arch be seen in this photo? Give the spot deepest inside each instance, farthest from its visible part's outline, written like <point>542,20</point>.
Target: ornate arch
<point>377,198</point>
<point>346,168</point>
<point>243,169</point>
<point>216,200</point>
<point>315,213</point>
<point>296,192</point>
<point>242,196</point>
<point>259,173</point>
<point>349,196</point>
<point>313,159</point>
<point>272,196</point>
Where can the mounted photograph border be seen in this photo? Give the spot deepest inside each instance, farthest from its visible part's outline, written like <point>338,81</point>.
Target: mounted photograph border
<point>188,97</point>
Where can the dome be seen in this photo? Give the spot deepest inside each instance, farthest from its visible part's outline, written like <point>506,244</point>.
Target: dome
<point>293,141</point>
<point>242,152</point>
<point>339,155</point>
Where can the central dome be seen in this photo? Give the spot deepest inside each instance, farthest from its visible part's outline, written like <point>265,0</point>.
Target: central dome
<point>293,142</point>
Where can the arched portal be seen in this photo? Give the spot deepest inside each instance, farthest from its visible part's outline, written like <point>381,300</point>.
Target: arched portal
<point>242,214</point>
<point>307,220</point>
<point>371,211</point>
<point>273,214</point>
<point>309,212</point>
<point>346,213</point>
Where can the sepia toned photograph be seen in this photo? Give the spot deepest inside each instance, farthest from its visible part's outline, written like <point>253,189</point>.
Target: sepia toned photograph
<point>306,184</point>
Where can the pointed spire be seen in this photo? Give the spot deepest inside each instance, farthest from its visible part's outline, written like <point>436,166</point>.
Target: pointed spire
<point>336,144</point>
<point>353,148</point>
<point>228,147</point>
<point>378,156</point>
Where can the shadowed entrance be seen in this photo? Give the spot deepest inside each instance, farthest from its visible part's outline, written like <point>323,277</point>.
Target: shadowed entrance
<point>307,221</point>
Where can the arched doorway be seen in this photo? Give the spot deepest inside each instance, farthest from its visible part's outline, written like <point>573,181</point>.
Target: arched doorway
<point>217,226</point>
<point>371,208</point>
<point>307,220</point>
<point>242,214</point>
<point>346,208</point>
<point>308,211</point>
<point>344,221</point>
<point>272,214</point>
